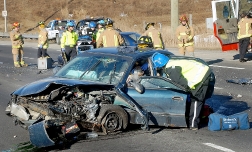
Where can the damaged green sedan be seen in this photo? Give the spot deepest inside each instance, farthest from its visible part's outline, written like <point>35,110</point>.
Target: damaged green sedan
<point>92,93</point>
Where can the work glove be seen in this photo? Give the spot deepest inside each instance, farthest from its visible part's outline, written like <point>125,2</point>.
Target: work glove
<point>144,66</point>
<point>63,50</point>
<point>41,46</point>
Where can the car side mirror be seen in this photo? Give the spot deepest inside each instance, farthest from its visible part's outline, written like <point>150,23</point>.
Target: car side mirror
<point>138,87</point>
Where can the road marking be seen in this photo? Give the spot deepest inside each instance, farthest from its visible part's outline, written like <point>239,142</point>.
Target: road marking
<point>226,67</point>
<point>218,88</point>
<point>218,147</point>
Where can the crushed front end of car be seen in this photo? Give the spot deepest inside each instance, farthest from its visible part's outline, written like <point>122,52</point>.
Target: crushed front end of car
<point>61,112</point>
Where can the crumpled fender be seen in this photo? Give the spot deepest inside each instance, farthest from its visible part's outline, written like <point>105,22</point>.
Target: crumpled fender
<point>39,136</point>
<point>43,84</point>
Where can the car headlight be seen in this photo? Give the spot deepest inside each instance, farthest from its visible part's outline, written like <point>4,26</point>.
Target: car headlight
<point>78,43</point>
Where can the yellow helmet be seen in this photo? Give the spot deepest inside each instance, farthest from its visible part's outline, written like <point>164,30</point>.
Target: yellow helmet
<point>148,25</point>
<point>41,24</point>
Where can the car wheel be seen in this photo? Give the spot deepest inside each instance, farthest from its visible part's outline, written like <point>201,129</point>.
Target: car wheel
<point>113,118</point>
<point>57,39</point>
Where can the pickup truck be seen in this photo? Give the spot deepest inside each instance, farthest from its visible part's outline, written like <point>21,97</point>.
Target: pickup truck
<point>55,27</point>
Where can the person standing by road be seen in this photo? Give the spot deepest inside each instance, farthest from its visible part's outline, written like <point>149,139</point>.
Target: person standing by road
<point>42,40</point>
<point>110,37</point>
<point>185,34</point>
<point>244,34</point>
<point>17,46</point>
<point>68,42</point>
<point>195,77</point>
<point>155,36</point>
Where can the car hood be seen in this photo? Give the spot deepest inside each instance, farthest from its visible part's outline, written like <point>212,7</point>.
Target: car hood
<point>41,85</point>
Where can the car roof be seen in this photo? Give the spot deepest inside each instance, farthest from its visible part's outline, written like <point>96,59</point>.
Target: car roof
<point>126,51</point>
<point>91,19</point>
<point>128,33</point>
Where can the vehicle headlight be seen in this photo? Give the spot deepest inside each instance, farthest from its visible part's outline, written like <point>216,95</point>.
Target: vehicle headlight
<point>78,43</point>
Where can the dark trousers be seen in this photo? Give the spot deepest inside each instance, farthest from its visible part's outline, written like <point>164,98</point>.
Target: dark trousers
<point>42,52</point>
<point>194,115</point>
<point>70,52</point>
<point>196,104</point>
<point>243,46</point>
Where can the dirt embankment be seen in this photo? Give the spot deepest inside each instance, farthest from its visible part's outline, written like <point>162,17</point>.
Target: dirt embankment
<point>128,15</point>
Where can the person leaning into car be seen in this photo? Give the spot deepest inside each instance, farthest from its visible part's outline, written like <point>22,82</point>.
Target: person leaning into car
<point>109,37</point>
<point>68,41</point>
<point>195,77</point>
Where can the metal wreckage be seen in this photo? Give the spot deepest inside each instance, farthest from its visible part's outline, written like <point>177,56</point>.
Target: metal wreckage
<point>97,97</point>
<point>50,116</point>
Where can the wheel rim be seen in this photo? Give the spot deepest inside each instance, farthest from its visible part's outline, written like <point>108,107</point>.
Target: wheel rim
<point>112,122</point>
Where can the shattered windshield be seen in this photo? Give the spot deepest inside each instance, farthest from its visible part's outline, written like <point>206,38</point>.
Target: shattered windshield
<point>98,68</point>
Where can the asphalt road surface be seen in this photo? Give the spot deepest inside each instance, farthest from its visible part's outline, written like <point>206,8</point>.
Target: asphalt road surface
<point>228,97</point>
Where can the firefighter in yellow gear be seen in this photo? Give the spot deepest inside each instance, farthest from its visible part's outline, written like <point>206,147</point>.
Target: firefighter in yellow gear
<point>155,35</point>
<point>17,45</point>
<point>101,28</point>
<point>42,40</point>
<point>68,42</point>
<point>244,34</point>
<point>185,35</point>
<point>110,37</point>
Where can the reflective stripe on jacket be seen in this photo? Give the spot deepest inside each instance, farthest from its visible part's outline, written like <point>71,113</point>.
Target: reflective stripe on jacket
<point>244,26</point>
<point>16,39</point>
<point>69,39</point>
<point>110,38</point>
<point>155,36</point>
<point>185,36</point>
<point>192,70</point>
<point>43,38</point>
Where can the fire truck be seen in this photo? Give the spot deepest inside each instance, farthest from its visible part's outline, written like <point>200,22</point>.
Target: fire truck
<point>225,19</point>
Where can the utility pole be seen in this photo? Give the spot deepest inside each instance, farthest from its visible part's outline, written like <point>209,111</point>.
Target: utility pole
<point>5,16</point>
<point>174,15</point>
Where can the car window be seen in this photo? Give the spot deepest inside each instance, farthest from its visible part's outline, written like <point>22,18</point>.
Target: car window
<point>49,25</point>
<point>100,68</point>
<point>62,23</point>
<point>134,36</point>
<point>157,82</point>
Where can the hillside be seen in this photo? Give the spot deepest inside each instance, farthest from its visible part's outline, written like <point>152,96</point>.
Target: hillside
<point>128,15</point>
<point>125,13</point>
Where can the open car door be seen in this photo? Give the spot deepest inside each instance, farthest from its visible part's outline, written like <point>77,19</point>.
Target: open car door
<point>225,19</point>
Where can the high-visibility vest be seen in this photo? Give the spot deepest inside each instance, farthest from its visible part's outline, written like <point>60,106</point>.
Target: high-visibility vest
<point>192,70</point>
<point>69,39</point>
<point>244,26</point>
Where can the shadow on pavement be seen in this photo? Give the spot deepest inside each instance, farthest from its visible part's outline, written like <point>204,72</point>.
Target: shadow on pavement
<point>214,61</point>
<point>247,55</point>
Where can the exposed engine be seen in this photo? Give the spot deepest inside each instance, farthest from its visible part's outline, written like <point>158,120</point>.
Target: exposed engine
<point>66,104</point>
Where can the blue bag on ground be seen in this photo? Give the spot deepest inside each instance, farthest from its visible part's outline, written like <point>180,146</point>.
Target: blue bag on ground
<point>222,122</point>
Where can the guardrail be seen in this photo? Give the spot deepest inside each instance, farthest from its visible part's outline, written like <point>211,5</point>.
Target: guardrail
<point>25,35</point>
